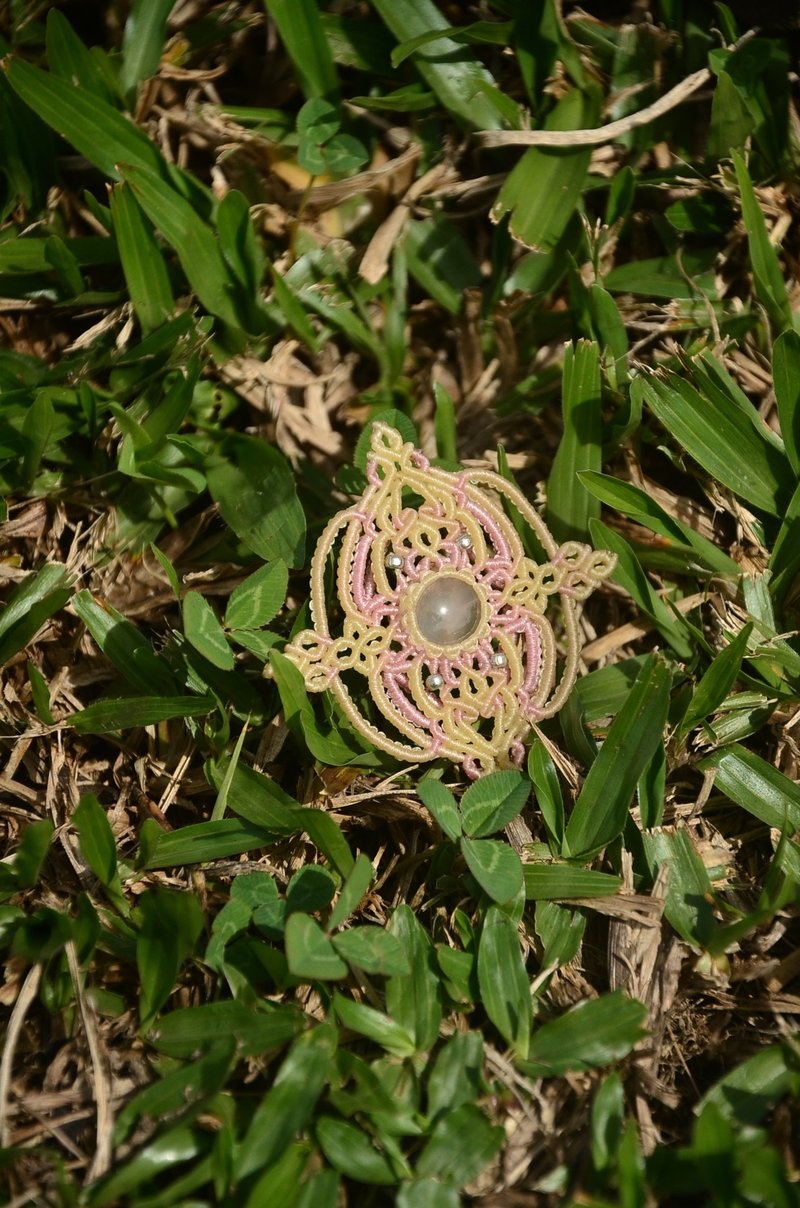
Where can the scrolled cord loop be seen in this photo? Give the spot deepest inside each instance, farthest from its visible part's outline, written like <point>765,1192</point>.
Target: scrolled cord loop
<point>444,616</point>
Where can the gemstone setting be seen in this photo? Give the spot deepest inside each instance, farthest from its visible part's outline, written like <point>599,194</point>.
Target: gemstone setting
<point>447,610</point>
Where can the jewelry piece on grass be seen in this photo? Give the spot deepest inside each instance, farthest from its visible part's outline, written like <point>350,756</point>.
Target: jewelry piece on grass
<point>442,612</point>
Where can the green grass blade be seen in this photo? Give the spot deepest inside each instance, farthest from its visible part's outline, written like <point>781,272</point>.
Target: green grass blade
<point>300,26</point>
<point>123,714</point>
<point>69,59</point>
<point>542,191</point>
<point>641,507</point>
<point>196,244</point>
<point>602,808</point>
<point>767,273</point>
<point>451,70</point>
<point>30,604</point>
<point>721,439</point>
<point>142,262</point>
<point>717,681</point>
<point>756,786</point>
<point>570,507</point>
<point>558,882</point>
<point>143,42</point>
<point>92,126</point>
<point>786,369</point>
<point>629,574</point>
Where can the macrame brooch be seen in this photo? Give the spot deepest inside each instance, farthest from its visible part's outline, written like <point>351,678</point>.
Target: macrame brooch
<point>442,612</point>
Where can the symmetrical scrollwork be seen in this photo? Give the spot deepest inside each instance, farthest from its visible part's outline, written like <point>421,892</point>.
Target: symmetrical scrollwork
<point>473,700</point>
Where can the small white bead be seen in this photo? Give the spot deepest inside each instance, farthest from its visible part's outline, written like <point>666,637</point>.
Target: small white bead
<point>393,561</point>
<point>499,660</point>
<point>434,682</point>
<point>465,541</point>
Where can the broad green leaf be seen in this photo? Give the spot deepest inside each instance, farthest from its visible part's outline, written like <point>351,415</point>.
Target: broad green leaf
<point>204,631</point>
<point>688,905</point>
<point>455,1076</point>
<point>324,833</point>
<point>93,127</point>
<point>608,1112</point>
<point>549,799</point>
<point>143,41</point>
<point>142,262</point>
<point>32,602</point>
<point>505,990</point>
<point>786,370</point>
<point>126,712</point>
<point>561,930</point>
<point>37,429</point>
<point>542,191</point>
<point>310,953</point>
<point>495,866</point>
<point>767,273</point>
<point>594,1033</point>
<point>731,124</point>
<point>372,949</point>
<point>602,693</point>
<point>97,840</point>
<point>570,506</point>
<point>170,924</point>
<point>310,889</point>
<point>607,326</point>
<point>747,1092</point>
<point>255,489</point>
<point>492,802</point>
<point>195,242</point>
<point>123,644</point>
<point>195,1029</point>
<point>456,76</point>
<point>329,747</point>
<point>784,562</point>
<point>428,1193</point>
<point>438,799</point>
<point>256,601</point>
<point>461,1144</point>
<point>602,807</point>
<point>22,872</point>
<point>352,892</point>
<point>563,881</point>
<point>352,1152</point>
<point>441,261</point>
<point>288,1104</point>
<point>413,999</point>
<point>170,1149</point>
<point>300,26</point>
<point>185,1090</point>
<point>375,1025</point>
<point>687,276</point>
<point>651,789</point>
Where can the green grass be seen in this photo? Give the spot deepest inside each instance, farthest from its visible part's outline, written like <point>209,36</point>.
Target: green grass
<point>247,960</point>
